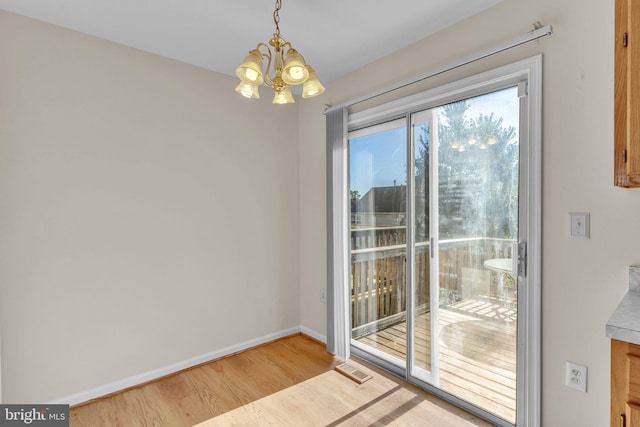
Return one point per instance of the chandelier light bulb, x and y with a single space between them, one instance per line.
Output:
296 73
251 75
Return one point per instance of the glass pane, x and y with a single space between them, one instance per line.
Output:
378 191
478 163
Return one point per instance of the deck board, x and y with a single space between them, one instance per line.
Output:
477 352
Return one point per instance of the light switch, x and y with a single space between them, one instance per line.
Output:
579 225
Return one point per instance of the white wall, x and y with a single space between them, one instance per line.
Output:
583 280
149 214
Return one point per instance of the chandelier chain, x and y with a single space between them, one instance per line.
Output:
276 17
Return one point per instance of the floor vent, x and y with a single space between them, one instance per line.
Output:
354 373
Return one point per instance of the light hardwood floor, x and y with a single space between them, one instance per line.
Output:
245 380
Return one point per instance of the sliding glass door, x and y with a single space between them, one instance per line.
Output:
378 200
434 228
470 150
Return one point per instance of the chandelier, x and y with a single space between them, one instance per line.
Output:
289 69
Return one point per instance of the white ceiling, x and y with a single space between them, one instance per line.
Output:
335 36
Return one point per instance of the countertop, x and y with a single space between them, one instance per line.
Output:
624 323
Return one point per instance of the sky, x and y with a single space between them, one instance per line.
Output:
379 159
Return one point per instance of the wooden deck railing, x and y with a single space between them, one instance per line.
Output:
371 237
378 273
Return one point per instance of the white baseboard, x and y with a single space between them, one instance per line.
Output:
313 334
136 380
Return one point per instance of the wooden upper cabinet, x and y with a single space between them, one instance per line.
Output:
627 94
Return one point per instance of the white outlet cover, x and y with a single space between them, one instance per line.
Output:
576 376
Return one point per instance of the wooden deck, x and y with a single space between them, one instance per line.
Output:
477 352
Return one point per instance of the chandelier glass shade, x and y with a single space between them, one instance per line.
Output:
289 69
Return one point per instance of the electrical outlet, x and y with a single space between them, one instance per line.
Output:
576 376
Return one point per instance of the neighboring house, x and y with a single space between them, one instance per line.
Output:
381 207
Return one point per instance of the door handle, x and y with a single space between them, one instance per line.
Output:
515 256
518 260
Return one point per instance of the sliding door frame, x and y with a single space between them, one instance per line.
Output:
527 74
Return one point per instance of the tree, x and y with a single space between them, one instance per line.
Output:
355 196
477 173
